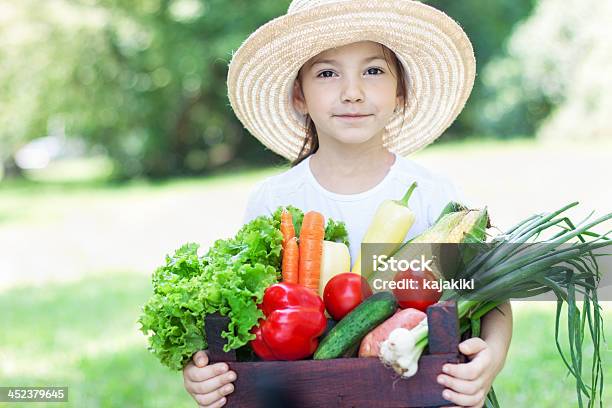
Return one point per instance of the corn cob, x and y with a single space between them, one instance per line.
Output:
455 227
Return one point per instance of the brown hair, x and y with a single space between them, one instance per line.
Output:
311 141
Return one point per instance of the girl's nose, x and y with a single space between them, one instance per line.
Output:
352 91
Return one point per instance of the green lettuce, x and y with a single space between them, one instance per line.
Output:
336 231
230 279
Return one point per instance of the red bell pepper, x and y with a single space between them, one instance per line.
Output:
295 318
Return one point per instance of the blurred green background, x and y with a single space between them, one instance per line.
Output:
117 145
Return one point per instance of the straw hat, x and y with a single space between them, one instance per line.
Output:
436 54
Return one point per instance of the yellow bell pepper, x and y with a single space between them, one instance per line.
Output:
390 224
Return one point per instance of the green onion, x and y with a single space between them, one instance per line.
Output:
506 270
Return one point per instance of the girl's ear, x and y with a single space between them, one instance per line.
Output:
299 103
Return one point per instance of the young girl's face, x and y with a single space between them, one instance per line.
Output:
349 92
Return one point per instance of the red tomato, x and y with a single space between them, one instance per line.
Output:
344 292
416 297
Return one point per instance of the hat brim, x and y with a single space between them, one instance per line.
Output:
437 56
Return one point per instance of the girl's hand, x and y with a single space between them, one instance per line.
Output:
468 384
208 385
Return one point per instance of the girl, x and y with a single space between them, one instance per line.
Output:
344 89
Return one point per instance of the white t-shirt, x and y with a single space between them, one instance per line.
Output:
298 187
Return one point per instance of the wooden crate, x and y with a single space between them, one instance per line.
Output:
342 382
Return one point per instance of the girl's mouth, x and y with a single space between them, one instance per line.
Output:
352 117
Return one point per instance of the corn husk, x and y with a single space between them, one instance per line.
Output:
452 227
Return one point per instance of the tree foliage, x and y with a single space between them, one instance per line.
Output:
555 73
145 79
488 24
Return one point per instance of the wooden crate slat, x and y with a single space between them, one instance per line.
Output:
345 382
443 324
350 382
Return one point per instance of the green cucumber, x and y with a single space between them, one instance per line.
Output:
356 325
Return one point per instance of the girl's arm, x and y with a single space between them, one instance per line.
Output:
497 333
468 384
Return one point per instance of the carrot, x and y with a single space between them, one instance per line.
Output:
286 227
311 249
291 256
290 250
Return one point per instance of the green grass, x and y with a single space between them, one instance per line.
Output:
35 201
534 374
84 335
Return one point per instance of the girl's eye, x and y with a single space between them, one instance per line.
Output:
375 71
330 74
325 74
